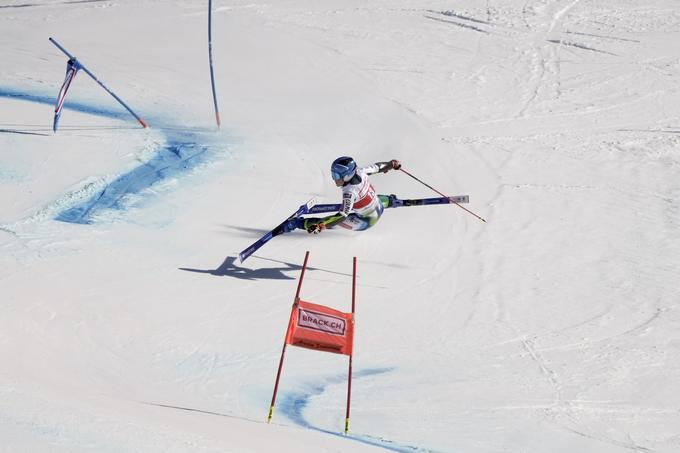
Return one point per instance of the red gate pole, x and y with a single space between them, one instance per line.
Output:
349 377
283 351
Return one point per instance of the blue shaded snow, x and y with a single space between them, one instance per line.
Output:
181 152
293 405
170 160
69 104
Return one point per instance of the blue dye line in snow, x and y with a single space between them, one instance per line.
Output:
169 161
293 404
180 154
70 104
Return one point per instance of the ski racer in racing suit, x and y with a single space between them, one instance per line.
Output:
361 207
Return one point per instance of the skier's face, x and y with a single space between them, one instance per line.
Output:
339 182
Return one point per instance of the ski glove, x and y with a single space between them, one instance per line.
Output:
384 167
316 228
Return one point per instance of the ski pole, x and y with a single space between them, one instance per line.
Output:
450 199
80 66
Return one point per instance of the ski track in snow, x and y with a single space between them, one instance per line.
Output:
579 46
458 24
293 404
181 152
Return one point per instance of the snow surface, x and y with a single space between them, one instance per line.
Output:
128 325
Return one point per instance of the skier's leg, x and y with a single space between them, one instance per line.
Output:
308 222
353 221
291 224
356 222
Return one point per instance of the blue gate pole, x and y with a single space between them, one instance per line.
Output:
210 58
80 65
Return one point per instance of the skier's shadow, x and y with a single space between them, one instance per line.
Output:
229 268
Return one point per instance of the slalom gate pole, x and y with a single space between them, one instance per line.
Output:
80 65
210 58
450 199
349 376
283 351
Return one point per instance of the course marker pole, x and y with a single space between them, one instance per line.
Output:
283 351
349 378
210 58
81 66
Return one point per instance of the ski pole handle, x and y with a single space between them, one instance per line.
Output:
450 199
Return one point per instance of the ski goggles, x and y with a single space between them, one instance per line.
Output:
344 174
335 175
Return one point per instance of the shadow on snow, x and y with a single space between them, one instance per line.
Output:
229 268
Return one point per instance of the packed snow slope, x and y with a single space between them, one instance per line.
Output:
128 325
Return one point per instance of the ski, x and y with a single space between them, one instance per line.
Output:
304 209
311 208
397 203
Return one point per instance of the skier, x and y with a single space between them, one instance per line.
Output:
361 207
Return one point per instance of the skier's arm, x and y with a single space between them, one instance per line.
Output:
348 199
383 167
331 220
